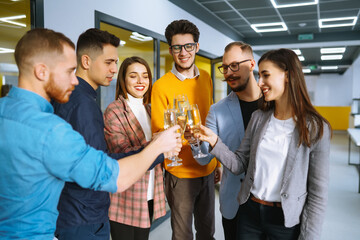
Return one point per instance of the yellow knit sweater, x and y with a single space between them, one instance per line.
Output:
199 90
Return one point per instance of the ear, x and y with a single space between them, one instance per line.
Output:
286 76
197 47
170 52
85 62
252 65
41 71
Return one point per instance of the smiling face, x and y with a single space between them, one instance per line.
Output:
184 60
62 79
238 80
272 81
103 67
137 80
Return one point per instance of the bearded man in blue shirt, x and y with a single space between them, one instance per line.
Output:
39 150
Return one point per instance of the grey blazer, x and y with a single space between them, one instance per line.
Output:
304 186
225 119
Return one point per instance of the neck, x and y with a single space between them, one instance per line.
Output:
189 73
283 110
252 91
84 75
33 85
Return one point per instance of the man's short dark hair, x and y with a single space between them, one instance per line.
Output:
39 42
92 41
244 47
181 27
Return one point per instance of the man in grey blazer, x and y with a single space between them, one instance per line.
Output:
228 118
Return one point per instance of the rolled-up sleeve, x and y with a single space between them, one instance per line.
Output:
68 157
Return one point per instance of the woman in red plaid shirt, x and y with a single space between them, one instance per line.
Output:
127 128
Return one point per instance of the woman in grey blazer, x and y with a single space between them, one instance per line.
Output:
285 154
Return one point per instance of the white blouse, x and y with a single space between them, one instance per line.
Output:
139 110
271 159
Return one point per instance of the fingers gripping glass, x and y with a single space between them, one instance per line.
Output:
235 66
188 47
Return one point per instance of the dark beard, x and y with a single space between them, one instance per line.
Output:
239 88
181 68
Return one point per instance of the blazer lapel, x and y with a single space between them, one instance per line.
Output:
234 108
134 124
291 156
262 126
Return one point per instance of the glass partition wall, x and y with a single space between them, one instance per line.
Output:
15 21
137 41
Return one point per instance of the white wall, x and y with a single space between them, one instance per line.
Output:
356 78
331 89
74 17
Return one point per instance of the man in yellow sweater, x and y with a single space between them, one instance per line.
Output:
189 187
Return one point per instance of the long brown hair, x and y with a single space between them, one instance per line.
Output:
309 122
120 84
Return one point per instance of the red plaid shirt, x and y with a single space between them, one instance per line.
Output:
123 133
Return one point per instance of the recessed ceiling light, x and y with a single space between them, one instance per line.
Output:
6 50
329 67
342 22
264 26
331 57
8 20
293 4
302 24
140 37
301 58
306 70
332 50
297 51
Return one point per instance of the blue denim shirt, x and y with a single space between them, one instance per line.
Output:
38 152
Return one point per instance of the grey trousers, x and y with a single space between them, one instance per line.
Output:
187 197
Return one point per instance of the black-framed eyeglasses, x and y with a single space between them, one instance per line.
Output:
188 47
235 66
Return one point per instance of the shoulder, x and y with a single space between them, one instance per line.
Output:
203 73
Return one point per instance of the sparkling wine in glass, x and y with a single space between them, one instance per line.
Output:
195 126
170 116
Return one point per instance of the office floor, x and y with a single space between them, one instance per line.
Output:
342 219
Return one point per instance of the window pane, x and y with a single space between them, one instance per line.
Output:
14 23
132 44
166 60
220 87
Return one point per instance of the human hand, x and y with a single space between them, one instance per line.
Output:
217 175
169 141
207 135
188 135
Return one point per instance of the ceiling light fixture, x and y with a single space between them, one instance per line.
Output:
6 50
344 22
332 50
301 58
329 67
282 27
293 4
331 57
140 37
306 70
8 20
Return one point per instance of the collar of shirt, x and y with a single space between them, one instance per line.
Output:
85 86
182 77
32 98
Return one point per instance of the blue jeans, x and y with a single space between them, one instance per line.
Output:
97 231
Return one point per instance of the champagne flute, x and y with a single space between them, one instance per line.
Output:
196 123
169 121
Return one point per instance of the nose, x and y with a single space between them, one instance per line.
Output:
183 51
74 80
260 82
139 79
114 67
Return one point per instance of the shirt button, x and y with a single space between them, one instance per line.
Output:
284 195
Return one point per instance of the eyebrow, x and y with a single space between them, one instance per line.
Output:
263 71
138 72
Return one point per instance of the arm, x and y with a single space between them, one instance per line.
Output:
237 162
313 214
66 156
